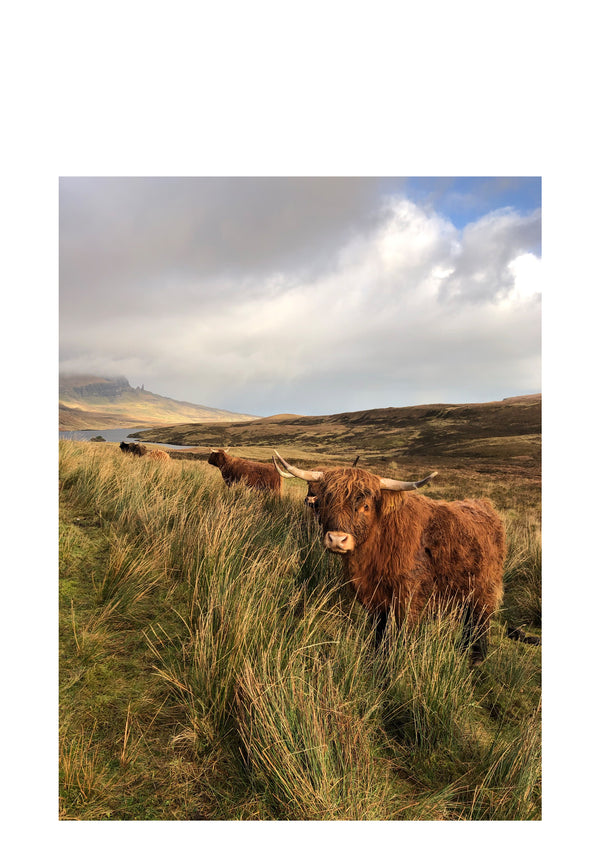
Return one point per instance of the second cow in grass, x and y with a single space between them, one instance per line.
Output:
254 474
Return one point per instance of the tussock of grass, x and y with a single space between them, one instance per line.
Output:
523 573
84 777
307 744
213 666
430 690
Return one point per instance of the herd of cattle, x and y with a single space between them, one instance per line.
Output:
402 552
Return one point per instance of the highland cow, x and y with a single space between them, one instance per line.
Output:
405 553
158 455
136 449
251 473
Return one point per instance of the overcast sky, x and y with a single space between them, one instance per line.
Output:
305 295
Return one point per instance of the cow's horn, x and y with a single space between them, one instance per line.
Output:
281 472
214 450
395 485
307 475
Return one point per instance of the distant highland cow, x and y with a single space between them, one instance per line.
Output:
158 455
251 473
136 449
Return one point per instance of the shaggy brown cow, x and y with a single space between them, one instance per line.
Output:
404 554
133 449
158 455
252 473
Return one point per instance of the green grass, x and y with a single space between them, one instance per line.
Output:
213 665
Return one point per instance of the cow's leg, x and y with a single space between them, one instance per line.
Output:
479 647
380 623
475 634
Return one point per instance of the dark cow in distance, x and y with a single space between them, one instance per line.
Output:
310 497
136 449
404 552
252 473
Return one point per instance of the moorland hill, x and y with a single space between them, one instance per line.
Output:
507 431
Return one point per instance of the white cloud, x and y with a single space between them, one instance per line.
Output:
408 310
482 259
527 273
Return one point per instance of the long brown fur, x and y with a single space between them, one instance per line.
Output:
158 455
412 552
253 473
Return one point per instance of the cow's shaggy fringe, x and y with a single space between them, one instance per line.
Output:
214 666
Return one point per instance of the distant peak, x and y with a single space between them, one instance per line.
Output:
79 380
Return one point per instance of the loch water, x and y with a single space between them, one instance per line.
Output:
113 435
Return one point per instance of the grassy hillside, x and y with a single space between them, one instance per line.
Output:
77 419
212 665
506 429
96 403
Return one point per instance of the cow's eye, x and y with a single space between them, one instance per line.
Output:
365 507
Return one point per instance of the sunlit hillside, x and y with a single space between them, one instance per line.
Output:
96 403
460 441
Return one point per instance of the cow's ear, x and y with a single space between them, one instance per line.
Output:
390 501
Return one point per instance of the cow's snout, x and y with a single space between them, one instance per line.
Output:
341 543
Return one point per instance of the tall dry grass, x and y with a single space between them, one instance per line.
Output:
211 654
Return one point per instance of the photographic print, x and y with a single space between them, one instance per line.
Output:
300 498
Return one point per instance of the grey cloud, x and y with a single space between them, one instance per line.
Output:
301 295
169 240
